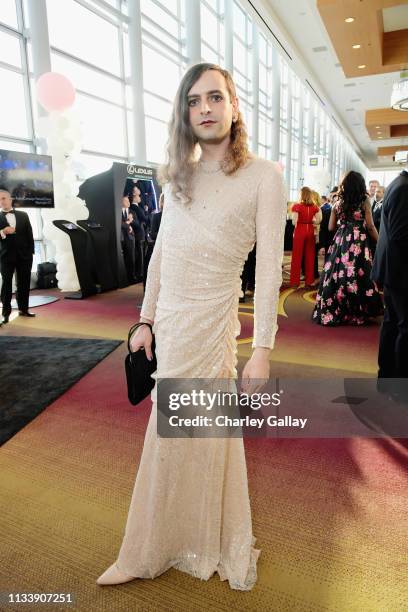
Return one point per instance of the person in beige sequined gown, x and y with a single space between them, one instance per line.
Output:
190 507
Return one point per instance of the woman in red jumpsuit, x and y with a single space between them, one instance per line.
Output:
305 216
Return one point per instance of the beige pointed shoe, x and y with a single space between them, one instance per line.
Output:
113 576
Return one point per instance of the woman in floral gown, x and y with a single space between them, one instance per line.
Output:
346 293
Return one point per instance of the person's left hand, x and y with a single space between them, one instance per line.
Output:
256 371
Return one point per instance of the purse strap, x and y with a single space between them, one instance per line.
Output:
133 329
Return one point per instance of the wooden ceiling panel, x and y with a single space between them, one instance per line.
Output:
395 48
379 52
390 151
398 131
383 123
386 154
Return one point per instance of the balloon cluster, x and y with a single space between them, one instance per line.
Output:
61 130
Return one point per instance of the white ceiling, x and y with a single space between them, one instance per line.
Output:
300 23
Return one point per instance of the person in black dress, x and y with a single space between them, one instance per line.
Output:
346 293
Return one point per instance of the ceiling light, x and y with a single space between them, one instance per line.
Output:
356 46
349 20
377 127
399 95
362 66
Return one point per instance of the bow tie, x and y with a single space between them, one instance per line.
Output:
6 212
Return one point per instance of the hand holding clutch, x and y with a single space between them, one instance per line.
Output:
140 362
142 339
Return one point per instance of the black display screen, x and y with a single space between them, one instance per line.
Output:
28 177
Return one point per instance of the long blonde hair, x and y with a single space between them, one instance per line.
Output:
316 198
181 145
306 196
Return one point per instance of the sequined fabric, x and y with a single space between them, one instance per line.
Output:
190 506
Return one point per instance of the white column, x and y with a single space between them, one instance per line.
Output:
310 129
330 163
40 49
317 126
40 44
136 81
255 88
301 122
289 134
193 31
276 92
229 35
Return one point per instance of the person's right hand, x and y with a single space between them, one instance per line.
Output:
142 339
9 230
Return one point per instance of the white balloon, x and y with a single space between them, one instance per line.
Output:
63 131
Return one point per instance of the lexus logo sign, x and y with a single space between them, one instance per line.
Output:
133 169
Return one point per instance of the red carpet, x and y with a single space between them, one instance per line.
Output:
329 515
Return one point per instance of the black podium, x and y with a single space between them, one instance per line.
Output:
102 268
103 195
81 249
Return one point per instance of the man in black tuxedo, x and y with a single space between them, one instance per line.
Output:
325 236
376 211
16 255
390 271
139 225
376 207
128 240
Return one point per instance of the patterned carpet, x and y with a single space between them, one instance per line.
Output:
329 515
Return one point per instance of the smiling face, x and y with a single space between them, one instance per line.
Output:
5 200
211 109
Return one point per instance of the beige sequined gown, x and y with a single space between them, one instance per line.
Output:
190 506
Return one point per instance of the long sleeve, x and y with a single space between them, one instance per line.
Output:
398 217
270 231
148 310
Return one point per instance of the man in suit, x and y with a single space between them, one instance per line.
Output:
16 255
325 236
390 271
128 240
372 186
376 208
139 225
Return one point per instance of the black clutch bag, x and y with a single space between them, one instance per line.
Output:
139 370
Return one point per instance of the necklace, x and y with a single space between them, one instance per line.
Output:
210 167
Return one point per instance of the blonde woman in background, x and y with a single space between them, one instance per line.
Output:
305 215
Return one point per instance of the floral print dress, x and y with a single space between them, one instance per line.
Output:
346 293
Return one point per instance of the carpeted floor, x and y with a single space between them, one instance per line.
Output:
329 515
35 371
